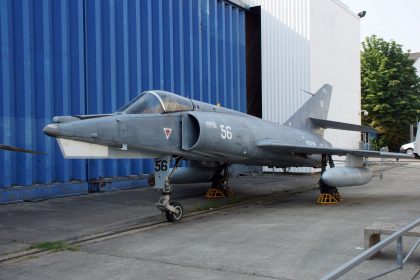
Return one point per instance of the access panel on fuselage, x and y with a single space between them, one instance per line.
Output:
160 132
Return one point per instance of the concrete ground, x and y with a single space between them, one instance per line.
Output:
282 236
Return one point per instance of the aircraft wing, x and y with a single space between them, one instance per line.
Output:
279 147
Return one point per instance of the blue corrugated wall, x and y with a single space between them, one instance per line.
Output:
64 57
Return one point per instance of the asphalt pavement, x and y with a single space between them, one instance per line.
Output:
279 232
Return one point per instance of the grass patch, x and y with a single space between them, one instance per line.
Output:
54 246
234 199
218 203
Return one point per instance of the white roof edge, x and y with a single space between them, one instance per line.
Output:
239 3
346 8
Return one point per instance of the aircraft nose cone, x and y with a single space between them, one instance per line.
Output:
52 130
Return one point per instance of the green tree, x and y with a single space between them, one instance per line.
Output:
390 90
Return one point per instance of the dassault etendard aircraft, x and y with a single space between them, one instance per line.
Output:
164 126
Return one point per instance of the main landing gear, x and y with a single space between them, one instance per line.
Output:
329 195
173 210
219 183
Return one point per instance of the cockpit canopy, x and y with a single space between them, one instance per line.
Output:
157 102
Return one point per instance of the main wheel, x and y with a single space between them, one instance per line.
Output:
409 151
172 216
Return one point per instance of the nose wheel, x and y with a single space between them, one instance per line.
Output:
174 217
173 210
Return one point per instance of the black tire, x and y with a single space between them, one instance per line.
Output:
409 151
173 217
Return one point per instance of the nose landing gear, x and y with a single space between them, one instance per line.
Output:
173 210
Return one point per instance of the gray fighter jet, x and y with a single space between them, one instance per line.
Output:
167 127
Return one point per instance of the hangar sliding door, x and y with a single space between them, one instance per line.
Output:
193 48
64 57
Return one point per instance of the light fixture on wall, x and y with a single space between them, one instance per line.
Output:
364 113
361 14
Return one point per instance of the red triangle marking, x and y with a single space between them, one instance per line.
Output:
167 132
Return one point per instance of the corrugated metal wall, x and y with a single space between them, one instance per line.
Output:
42 75
92 56
285 59
285 44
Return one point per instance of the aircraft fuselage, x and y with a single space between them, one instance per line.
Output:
195 135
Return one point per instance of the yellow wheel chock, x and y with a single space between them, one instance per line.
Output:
218 193
329 199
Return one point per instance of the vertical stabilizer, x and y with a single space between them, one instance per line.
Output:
316 107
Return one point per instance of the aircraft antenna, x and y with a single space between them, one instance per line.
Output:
307 92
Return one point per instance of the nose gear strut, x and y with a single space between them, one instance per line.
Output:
173 210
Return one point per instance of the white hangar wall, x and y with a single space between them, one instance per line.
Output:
305 44
335 58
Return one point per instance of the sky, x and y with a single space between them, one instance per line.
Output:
390 19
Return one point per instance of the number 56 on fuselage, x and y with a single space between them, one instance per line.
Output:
162 125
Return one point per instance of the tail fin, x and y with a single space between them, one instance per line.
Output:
316 107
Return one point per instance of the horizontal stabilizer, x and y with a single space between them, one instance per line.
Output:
342 126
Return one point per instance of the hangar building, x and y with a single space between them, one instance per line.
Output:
62 57
305 44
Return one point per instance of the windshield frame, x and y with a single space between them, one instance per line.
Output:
162 97
158 98
145 96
